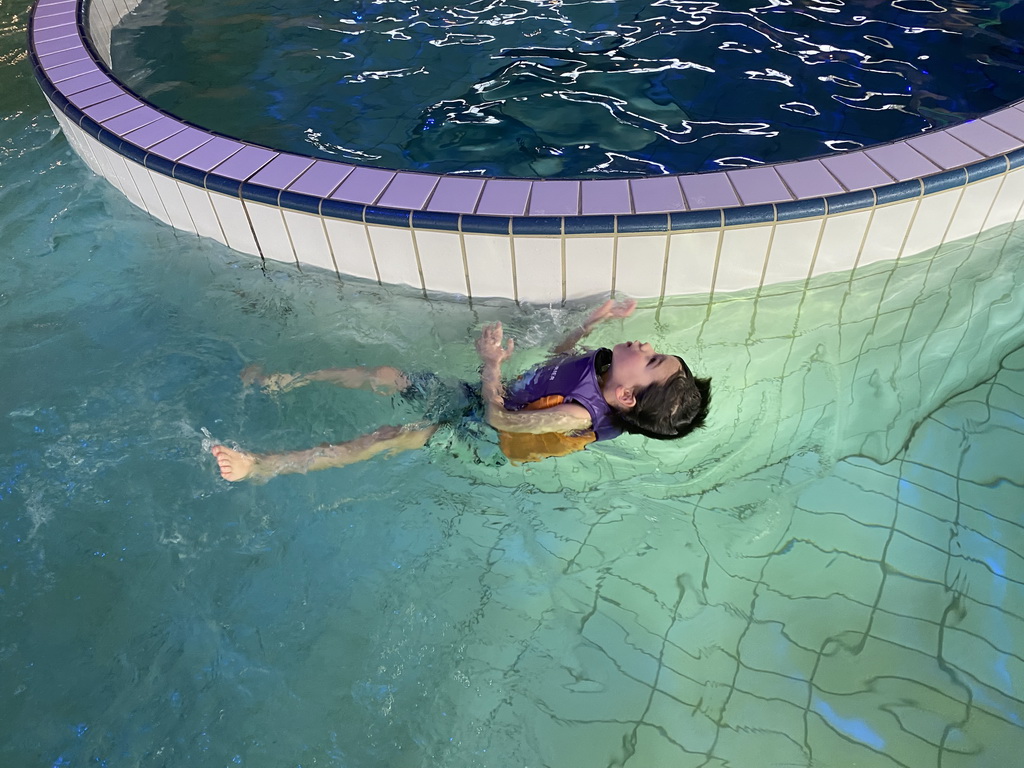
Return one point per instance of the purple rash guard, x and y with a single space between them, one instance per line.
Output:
575 379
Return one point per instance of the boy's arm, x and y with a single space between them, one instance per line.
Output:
568 417
606 311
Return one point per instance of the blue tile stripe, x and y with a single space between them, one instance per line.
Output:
473 223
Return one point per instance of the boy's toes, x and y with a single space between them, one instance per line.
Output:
233 465
280 382
252 374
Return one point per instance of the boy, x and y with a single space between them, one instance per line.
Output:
550 411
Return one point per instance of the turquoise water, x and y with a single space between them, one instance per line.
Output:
829 575
573 89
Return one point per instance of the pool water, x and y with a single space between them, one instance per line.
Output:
829 575
572 89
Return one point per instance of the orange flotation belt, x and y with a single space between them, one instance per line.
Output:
521 447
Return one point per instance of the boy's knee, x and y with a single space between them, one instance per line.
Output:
387 376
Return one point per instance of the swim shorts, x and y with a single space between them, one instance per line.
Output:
444 401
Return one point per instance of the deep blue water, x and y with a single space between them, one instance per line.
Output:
573 89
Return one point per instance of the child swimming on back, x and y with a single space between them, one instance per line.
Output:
552 410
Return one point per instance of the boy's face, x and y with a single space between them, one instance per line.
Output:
636 365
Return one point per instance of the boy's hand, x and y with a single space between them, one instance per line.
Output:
489 345
612 309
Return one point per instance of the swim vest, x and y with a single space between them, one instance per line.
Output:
572 380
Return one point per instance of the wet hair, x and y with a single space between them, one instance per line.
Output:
668 410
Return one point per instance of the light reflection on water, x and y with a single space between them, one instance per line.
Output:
580 89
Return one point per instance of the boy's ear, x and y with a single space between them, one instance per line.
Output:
625 396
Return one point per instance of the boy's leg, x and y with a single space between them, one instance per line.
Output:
383 380
239 465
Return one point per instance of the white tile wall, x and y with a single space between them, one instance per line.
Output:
1009 199
928 229
104 15
489 259
974 208
170 196
1006 206
234 223
125 181
309 238
887 231
200 209
538 265
394 250
441 261
150 197
350 245
792 251
100 25
110 163
268 224
742 259
640 264
691 262
119 9
77 140
588 266
841 242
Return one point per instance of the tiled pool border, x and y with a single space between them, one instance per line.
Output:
529 240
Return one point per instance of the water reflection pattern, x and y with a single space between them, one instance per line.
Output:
581 89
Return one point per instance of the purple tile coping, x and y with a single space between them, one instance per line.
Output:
83 83
114 107
244 163
129 121
60 6
95 95
604 196
809 178
504 197
902 162
57 9
148 135
456 194
985 138
322 178
555 198
180 144
1009 121
55 46
363 185
856 171
56 19
63 57
759 185
74 69
708 191
658 194
281 171
212 154
944 150
409 191
55 33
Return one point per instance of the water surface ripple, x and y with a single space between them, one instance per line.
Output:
573 89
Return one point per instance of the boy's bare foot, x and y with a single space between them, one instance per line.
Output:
253 375
234 465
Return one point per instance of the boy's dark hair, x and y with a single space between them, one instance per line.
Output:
669 410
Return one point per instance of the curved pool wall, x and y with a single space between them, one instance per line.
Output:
535 241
